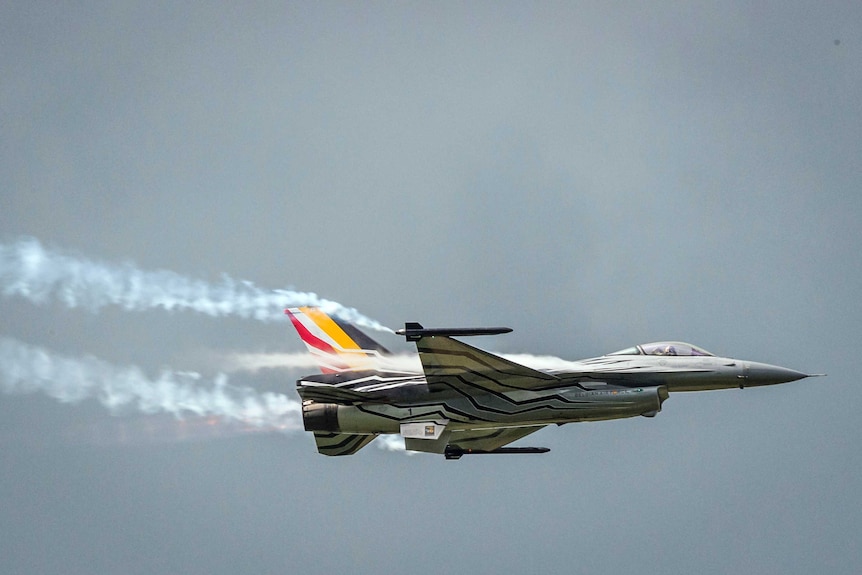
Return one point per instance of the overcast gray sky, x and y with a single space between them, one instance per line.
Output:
592 174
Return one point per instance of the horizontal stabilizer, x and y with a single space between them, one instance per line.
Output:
335 444
414 331
330 394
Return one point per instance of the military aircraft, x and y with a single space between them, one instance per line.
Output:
467 401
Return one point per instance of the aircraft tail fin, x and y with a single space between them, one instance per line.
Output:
336 345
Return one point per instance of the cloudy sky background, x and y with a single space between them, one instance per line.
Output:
591 175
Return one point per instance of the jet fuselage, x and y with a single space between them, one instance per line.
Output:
465 400
608 387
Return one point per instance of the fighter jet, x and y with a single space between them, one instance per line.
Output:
467 401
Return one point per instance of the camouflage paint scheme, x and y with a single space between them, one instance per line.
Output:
467 400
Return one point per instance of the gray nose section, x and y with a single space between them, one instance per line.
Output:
764 374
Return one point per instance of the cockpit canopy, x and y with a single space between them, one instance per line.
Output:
664 348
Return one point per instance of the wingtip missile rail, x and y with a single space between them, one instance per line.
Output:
456 452
414 331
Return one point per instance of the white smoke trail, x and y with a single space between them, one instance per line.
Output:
544 362
29 369
30 271
253 362
392 443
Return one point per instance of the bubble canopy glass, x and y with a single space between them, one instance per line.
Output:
664 348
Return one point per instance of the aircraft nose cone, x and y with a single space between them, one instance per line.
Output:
765 374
